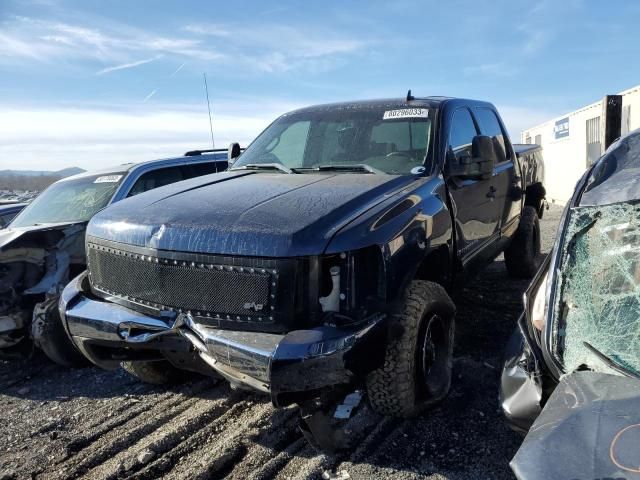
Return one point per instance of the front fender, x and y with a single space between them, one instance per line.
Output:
407 228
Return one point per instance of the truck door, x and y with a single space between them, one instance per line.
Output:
507 181
477 214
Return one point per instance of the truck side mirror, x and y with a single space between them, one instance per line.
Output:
233 152
478 166
483 151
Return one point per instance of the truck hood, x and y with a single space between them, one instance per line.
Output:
589 428
246 213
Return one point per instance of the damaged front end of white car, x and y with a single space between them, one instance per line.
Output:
35 265
582 316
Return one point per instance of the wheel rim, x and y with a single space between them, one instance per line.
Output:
433 353
428 351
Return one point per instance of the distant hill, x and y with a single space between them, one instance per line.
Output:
66 172
35 180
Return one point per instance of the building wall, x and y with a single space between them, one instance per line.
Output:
567 152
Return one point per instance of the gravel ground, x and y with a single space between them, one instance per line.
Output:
88 423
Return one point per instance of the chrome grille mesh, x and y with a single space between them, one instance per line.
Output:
206 289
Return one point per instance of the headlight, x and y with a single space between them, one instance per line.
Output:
539 309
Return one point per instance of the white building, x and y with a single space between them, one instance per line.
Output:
572 142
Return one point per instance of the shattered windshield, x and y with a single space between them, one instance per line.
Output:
390 140
70 201
600 287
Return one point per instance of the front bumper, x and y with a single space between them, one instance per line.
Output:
287 367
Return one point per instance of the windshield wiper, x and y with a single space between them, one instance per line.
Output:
265 166
611 363
358 167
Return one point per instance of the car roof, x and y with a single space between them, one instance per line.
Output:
426 102
521 148
9 207
615 178
130 167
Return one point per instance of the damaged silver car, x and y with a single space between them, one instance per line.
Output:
580 331
44 247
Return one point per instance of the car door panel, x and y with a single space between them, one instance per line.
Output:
473 200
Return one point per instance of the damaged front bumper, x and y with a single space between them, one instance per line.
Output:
289 367
521 389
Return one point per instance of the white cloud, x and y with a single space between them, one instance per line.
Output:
125 66
270 48
33 39
275 48
50 139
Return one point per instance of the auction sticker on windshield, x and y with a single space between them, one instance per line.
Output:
108 179
406 113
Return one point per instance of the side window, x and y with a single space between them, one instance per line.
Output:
155 179
461 135
291 145
204 168
490 126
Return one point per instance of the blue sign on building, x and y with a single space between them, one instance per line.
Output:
561 128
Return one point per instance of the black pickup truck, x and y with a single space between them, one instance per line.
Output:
320 262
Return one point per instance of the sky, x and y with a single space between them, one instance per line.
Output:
93 83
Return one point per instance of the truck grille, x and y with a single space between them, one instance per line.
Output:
214 289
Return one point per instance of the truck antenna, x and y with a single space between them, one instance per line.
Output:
206 89
409 96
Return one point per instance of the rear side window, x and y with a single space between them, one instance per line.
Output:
461 135
205 168
155 179
490 126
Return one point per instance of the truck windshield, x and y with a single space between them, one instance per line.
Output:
391 140
75 200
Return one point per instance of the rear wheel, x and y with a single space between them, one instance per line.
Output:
521 257
159 372
418 361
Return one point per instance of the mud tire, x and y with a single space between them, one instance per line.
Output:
521 257
401 388
159 372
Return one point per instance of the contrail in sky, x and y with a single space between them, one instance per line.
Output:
127 65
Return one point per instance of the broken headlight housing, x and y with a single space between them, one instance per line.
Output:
540 304
536 300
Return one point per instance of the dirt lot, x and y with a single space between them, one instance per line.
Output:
59 423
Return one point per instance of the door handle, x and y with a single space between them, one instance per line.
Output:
492 192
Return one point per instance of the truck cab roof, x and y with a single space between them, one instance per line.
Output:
425 102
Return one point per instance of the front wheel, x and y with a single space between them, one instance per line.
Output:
50 335
419 355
